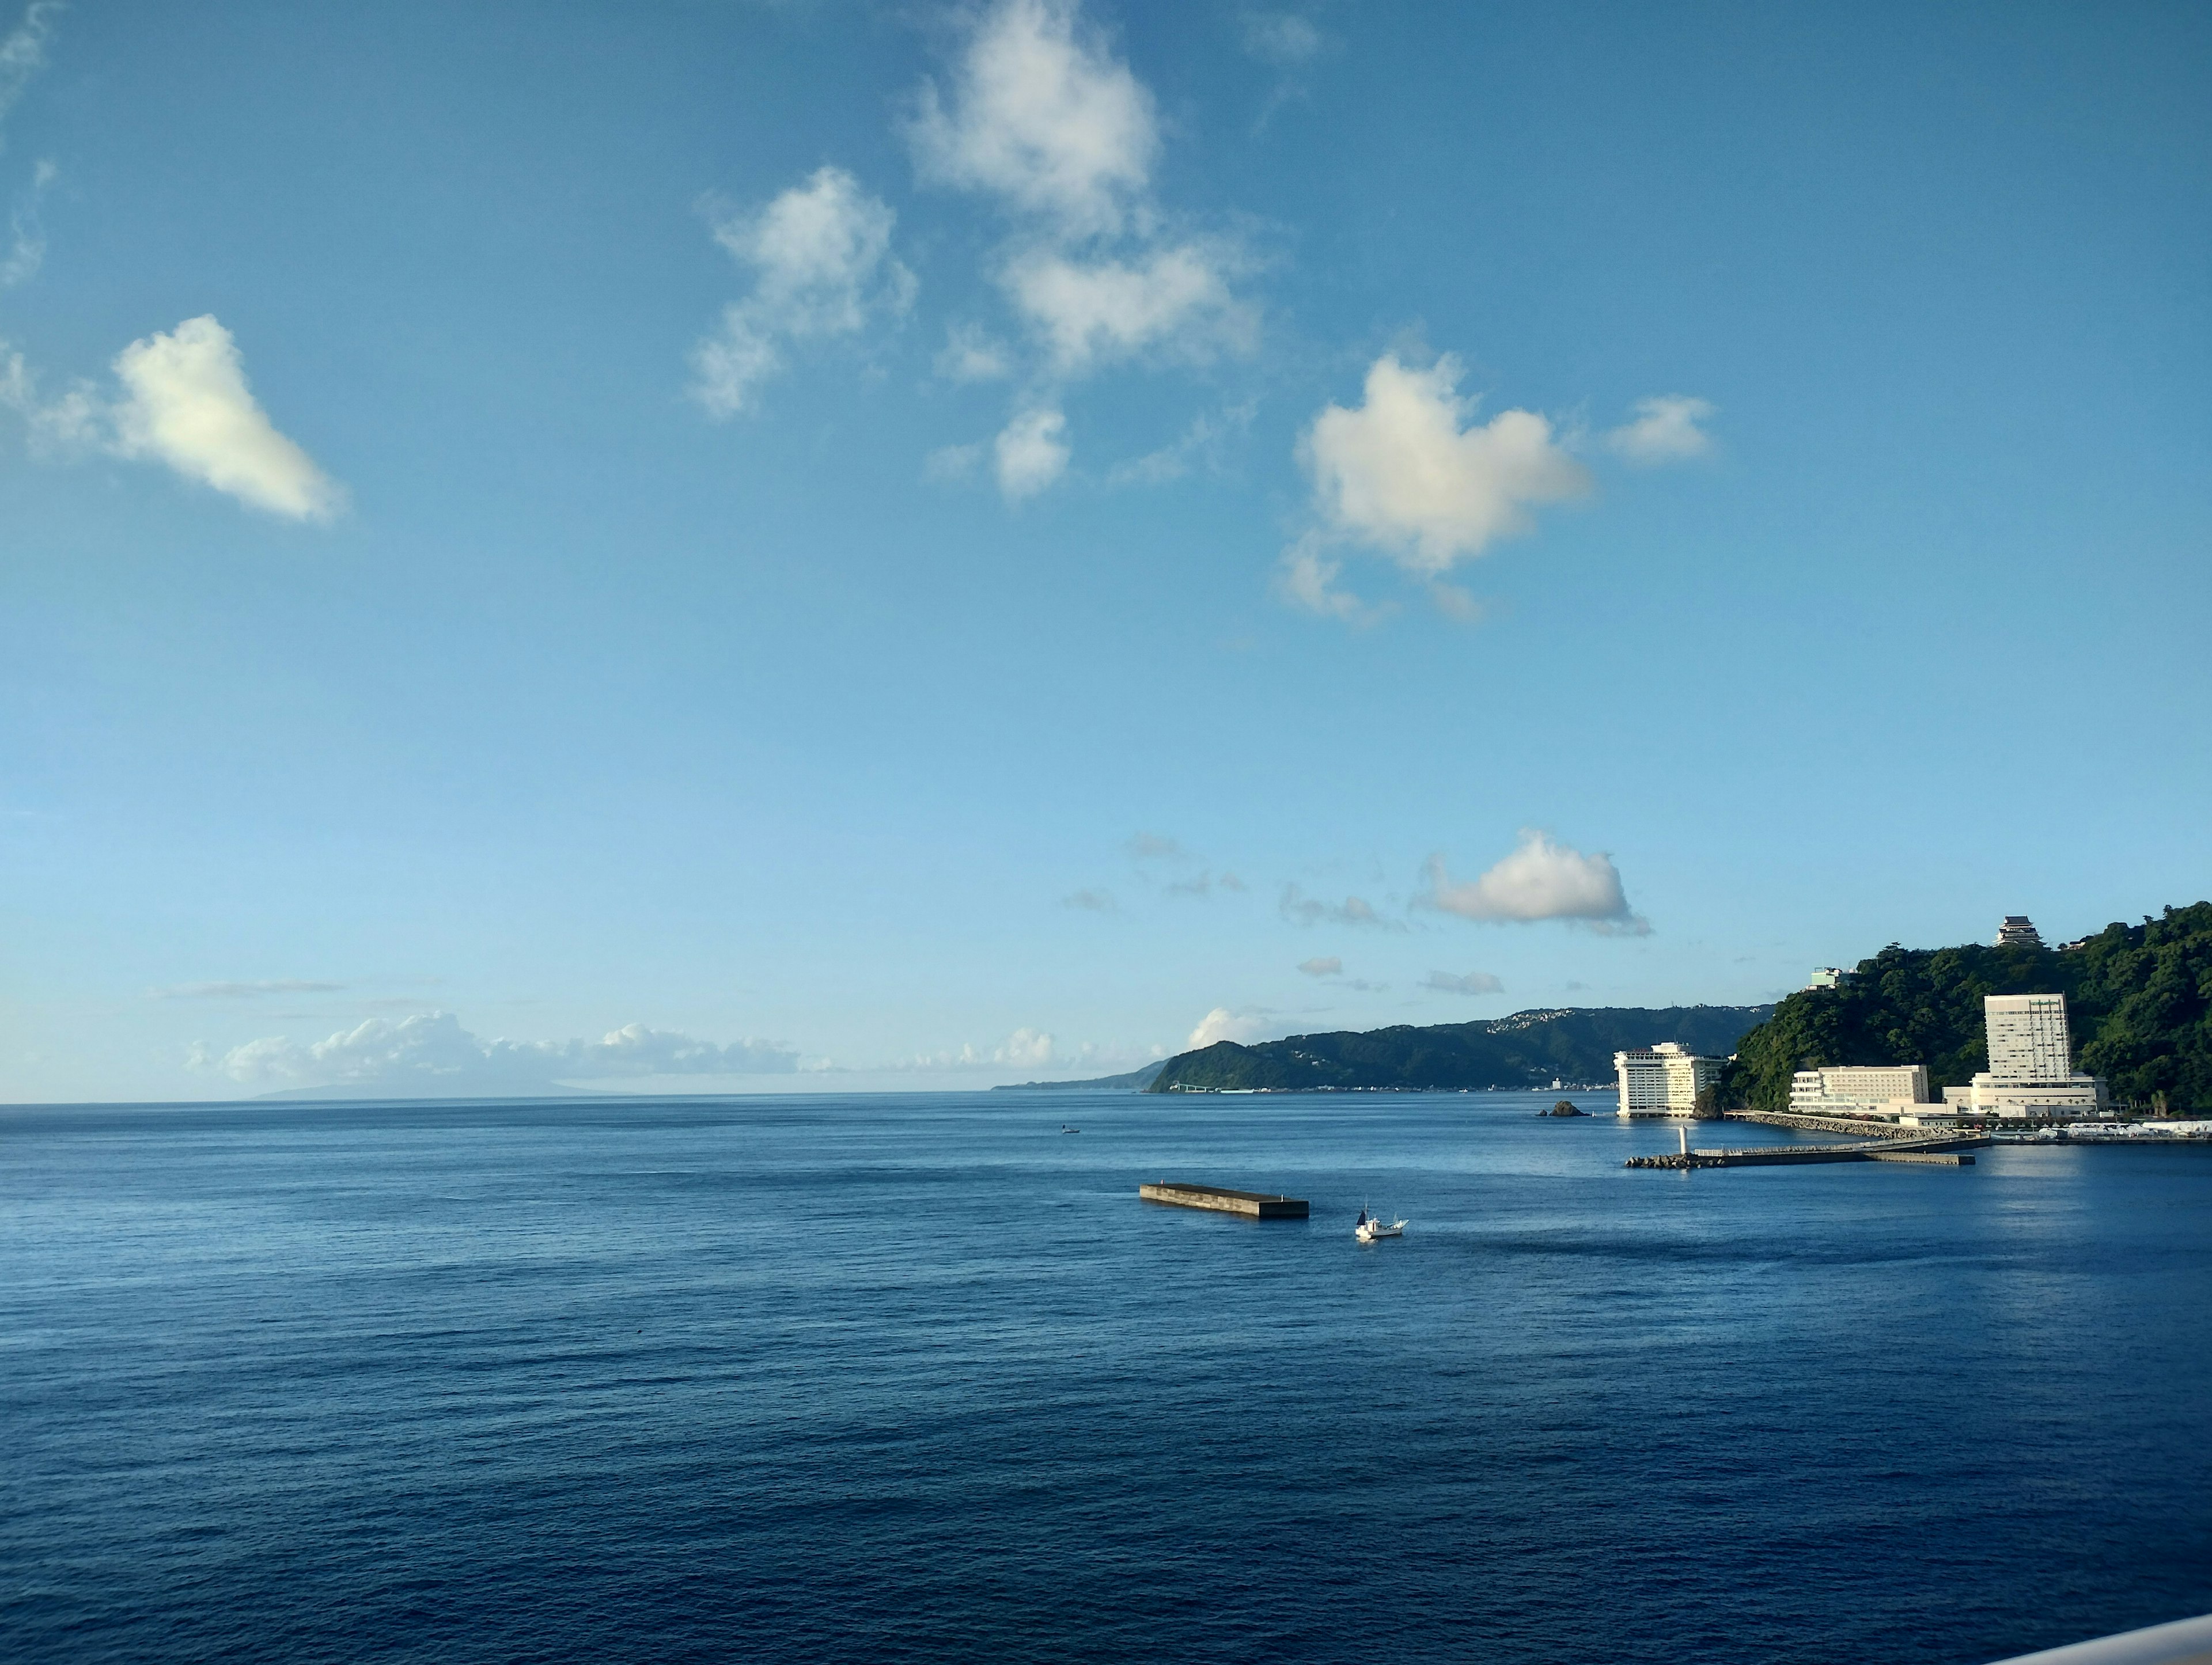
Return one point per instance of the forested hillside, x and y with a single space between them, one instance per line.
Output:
2137 996
1527 1049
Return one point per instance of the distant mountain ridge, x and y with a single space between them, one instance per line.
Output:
1134 1081
1527 1049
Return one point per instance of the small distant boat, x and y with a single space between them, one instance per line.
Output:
1064 1128
1374 1227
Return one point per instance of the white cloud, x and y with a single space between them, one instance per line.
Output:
970 354
187 405
242 991
1471 982
1042 115
432 1052
820 255
1664 430
1223 1024
26 241
23 53
1322 966
1410 474
1300 908
1090 901
1030 454
1541 879
953 462
1093 312
1280 37
1202 444
1155 847
1030 1049
1307 578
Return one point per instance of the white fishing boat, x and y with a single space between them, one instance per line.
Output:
1374 1226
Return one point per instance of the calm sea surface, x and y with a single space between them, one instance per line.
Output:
907 1378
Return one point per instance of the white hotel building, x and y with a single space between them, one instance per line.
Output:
1889 1092
2031 1074
1663 1080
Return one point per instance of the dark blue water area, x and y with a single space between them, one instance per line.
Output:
919 1377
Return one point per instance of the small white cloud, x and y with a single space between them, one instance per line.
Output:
1041 115
1409 473
1327 965
432 1052
1306 578
1155 847
1090 901
1541 879
1200 445
1471 982
953 463
242 991
187 404
1093 312
1029 1048
1300 908
23 53
971 354
1030 454
1223 1024
1664 430
27 240
820 255
1281 38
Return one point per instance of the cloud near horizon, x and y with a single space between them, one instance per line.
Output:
1300 908
432 1050
1223 1024
1541 879
1470 983
243 991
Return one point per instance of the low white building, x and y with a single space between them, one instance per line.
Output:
2031 1076
1663 1079
1885 1092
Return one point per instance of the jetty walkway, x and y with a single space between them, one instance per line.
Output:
1947 1151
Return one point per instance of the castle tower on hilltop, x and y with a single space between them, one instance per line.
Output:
2019 931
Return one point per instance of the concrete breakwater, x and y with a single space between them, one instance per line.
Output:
1253 1205
1831 1124
1951 1152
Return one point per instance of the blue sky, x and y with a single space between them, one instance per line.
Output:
725 547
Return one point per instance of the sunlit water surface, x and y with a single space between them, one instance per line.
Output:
919 1377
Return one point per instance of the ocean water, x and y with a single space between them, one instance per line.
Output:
919 1378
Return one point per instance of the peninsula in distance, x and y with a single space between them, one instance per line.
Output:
2141 996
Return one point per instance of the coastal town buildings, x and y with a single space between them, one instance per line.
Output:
2031 1075
1663 1079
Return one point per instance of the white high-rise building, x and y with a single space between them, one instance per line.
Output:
2028 1037
1664 1079
2031 1074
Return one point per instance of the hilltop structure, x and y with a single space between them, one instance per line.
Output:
2018 931
1663 1079
2031 1075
